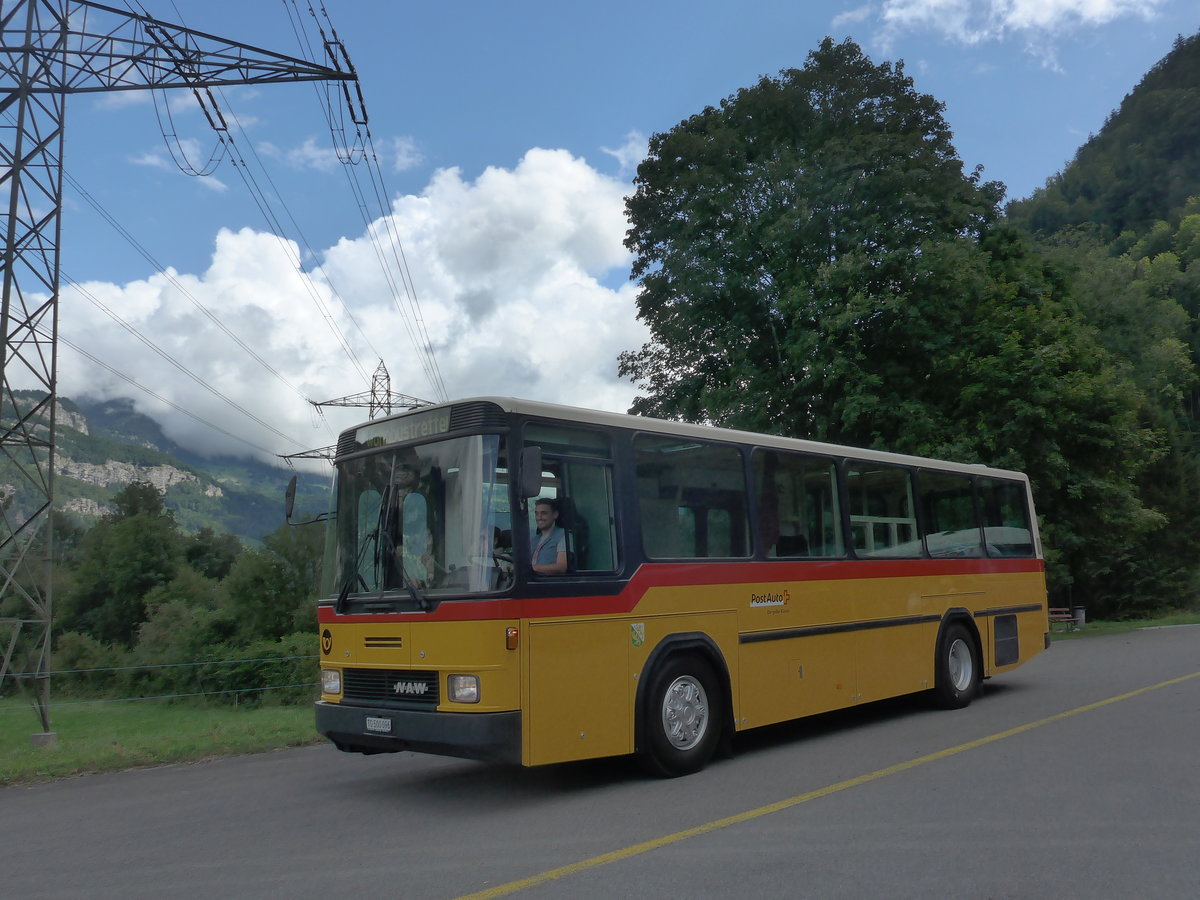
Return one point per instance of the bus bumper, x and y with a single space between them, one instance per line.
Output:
493 737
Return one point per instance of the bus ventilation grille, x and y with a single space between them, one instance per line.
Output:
390 687
347 443
477 416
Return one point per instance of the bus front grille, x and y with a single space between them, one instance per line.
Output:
390 687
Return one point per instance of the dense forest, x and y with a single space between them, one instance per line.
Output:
1120 225
139 602
814 260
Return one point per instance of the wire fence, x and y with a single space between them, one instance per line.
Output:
244 678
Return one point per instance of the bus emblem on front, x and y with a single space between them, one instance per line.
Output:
410 687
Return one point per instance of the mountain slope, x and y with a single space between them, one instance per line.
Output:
103 446
1143 165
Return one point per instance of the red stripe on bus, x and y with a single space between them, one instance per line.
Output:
690 574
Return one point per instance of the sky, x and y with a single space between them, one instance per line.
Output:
507 136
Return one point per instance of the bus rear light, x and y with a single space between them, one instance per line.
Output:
464 688
331 681
510 637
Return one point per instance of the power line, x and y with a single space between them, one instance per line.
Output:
277 230
99 304
413 319
336 50
229 148
177 284
303 240
166 273
175 406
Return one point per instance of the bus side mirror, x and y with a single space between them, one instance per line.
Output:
289 506
289 500
531 472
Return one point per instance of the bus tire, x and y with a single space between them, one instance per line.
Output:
957 668
682 716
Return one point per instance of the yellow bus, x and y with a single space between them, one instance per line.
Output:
695 582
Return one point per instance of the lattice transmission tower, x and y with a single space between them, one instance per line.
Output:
48 50
379 401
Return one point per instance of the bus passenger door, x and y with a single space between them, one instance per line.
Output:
580 694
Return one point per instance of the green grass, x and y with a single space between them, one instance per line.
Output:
1094 629
105 737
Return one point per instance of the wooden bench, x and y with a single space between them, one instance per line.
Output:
1062 615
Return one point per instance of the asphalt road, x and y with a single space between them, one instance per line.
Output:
1076 776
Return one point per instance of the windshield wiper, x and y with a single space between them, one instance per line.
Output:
356 576
411 586
339 605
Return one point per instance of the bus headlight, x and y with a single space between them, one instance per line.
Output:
331 681
464 688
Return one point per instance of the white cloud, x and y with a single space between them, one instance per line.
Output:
115 100
508 270
310 156
631 153
1035 22
186 155
399 154
405 154
154 159
213 183
853 16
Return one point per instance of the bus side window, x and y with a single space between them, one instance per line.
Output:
1006 527
590 522
578 473
662 522
798 510
882 516
692 498
948 506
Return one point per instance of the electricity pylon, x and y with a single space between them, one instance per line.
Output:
379 401
49 49
381 398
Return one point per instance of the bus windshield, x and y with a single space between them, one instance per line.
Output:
424 521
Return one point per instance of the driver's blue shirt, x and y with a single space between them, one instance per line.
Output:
547 547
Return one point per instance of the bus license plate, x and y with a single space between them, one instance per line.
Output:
379 725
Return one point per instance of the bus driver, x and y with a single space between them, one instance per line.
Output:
549 540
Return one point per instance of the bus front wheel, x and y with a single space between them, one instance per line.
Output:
957 668
681 718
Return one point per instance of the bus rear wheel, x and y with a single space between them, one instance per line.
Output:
957 669
681 718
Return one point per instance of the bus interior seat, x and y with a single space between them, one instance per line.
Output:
791 545
576 528
660 522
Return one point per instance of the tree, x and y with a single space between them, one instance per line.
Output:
212 554
301 549
778 235
121 559
1141 308
1141 167
269 591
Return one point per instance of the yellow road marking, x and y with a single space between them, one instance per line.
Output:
503 890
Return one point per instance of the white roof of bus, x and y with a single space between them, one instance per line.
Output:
710 432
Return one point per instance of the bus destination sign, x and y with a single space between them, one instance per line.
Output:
405 428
